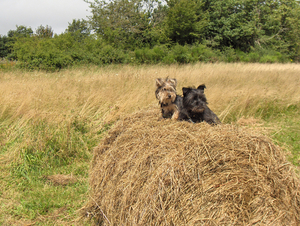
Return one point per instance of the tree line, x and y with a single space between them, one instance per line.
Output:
173 31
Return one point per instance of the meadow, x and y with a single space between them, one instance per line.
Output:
50 123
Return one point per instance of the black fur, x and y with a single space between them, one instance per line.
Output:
195 104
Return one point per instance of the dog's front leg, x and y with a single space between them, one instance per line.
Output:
175 115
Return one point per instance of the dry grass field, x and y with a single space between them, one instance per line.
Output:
50 123
112 91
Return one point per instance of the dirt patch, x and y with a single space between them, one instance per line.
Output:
61 179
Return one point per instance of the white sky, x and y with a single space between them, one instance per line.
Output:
33 13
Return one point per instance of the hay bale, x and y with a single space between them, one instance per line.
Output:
150 172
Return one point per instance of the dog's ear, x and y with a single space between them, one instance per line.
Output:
173 81
185 91
159 82
202 87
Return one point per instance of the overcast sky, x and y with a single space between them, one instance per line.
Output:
33 13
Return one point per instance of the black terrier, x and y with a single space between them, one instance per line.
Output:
195 103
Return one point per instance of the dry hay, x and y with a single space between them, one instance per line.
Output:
151 172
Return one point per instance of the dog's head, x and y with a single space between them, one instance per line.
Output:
166 90
194 100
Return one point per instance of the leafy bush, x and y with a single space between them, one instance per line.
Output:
67 49
154 55
109 54
36 53
201 52
182 54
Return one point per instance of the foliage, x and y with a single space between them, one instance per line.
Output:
251 23
126 23
44 31
3 46
70 49
186 21
79 29
174 31
21 31
79 25
154 55
6 42
35 53
64 50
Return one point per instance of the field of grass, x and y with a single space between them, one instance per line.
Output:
50 122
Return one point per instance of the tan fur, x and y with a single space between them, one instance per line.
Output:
175 115
166 94
170 111
171 81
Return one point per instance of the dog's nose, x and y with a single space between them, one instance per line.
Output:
169 96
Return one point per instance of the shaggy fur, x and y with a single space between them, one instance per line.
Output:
170 102
195 103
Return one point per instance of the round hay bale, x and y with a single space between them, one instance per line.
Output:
151 172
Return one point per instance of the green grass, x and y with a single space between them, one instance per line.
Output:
31 151
40 197
287 133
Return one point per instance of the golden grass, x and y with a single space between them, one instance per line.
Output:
114 90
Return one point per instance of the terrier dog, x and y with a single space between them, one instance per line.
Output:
195 103
170 102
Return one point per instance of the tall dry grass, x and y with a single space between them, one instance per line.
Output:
106 93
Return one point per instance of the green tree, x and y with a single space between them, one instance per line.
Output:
126 23
186 21
232 23
21 31
3 46
242 24
44 31
292 35
80 26
79 29
280 21
13 36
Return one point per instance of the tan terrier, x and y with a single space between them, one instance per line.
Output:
170 102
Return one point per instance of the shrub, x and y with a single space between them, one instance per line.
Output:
182 54
154 55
